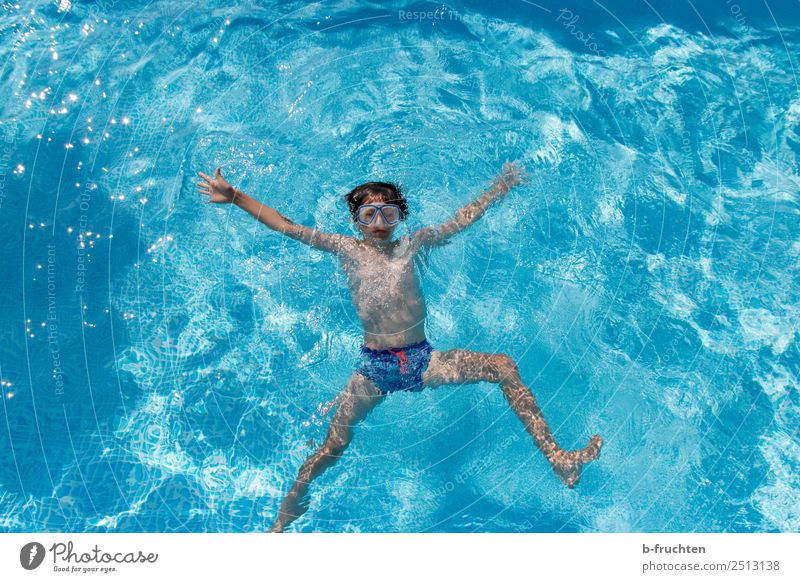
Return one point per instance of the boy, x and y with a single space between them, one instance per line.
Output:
387 297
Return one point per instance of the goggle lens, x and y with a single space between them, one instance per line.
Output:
391 214
368 212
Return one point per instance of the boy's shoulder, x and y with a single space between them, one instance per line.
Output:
345 244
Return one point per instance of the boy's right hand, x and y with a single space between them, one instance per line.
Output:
217 189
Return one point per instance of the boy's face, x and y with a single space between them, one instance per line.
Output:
378 230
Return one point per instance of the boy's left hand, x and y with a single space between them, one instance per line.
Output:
512 175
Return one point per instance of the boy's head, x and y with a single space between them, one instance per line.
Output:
372 223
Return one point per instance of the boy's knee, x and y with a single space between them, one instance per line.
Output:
334 447
504 365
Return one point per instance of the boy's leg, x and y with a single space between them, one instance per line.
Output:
466 367
355 402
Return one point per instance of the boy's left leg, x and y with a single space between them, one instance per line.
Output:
466 367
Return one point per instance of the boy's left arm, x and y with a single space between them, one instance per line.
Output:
511 176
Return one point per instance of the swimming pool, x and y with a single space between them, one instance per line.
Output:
165 364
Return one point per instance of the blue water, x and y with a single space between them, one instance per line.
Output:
165 364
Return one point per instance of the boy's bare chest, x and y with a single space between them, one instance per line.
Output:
369 269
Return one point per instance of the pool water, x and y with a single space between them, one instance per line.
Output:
165 364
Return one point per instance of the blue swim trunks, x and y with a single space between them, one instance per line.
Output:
396 369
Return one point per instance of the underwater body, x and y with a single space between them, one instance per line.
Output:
167 365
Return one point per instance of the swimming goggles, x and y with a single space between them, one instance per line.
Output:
367 213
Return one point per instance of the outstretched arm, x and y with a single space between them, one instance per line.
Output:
221 192
511 176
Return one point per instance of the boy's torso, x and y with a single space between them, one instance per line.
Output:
386 293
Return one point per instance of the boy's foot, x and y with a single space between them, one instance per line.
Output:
291 509
568 464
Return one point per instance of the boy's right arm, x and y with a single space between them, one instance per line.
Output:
221 192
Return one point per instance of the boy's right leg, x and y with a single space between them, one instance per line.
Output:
355 402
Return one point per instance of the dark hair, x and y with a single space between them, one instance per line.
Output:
388 192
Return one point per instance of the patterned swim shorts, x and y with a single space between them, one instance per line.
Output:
396 369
